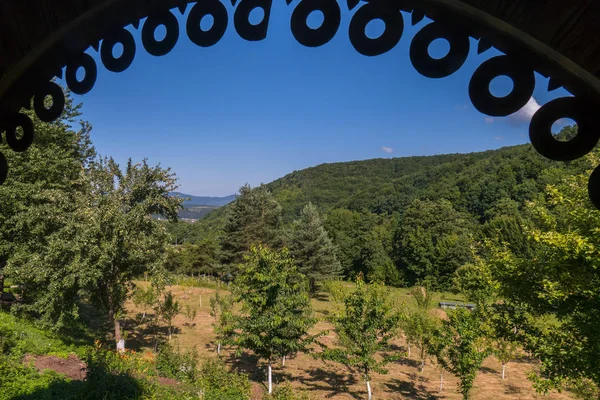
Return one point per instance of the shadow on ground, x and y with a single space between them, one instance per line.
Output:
411 390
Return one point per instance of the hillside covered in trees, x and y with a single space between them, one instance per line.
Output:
408 220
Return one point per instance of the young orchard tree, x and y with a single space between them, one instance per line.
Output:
457 347
168 309
118 238
365 328
145 298
312 249
221 309
419 326
505 351
190 313
276 311
474 281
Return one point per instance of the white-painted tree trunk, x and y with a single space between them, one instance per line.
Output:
369 390
283 362
441 380
408 344
422 365
270 378
503 369
219 348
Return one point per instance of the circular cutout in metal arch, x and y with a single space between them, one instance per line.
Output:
439 68
88 64
3 169
210 37
160 47
58 102
241 19
121 63
394 26
588 134
309 37
19 144
594 187
479 87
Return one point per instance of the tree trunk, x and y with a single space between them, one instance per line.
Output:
283 362
117 326
270 378
369 394
170 332
219 348
441 380
503 369
422 367
408 344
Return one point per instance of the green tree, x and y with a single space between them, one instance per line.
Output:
553 297
114 235
221 309
312 249
505 351
276 310
432 241
145 298
458 347
474 281
42 192
420 326
253 218
365 328
168 308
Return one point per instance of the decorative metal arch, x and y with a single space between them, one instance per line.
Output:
454 20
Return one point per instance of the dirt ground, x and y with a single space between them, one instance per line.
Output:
71 367
329 380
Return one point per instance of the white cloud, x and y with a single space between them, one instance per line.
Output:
388 150
489 120
498 137
525 114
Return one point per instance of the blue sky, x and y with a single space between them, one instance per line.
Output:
254 111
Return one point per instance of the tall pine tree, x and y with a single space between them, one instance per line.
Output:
312 249
254 218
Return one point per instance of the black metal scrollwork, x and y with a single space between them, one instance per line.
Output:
394 26
3 168
90 68
24 142
208 38
55 92
581 109
447 65
309 37
523 86
241 19
121 63
160 47
542 139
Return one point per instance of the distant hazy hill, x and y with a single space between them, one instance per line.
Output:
198 206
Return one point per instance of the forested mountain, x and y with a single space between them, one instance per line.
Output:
413 219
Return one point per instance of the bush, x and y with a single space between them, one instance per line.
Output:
285 392
219 383
176 365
